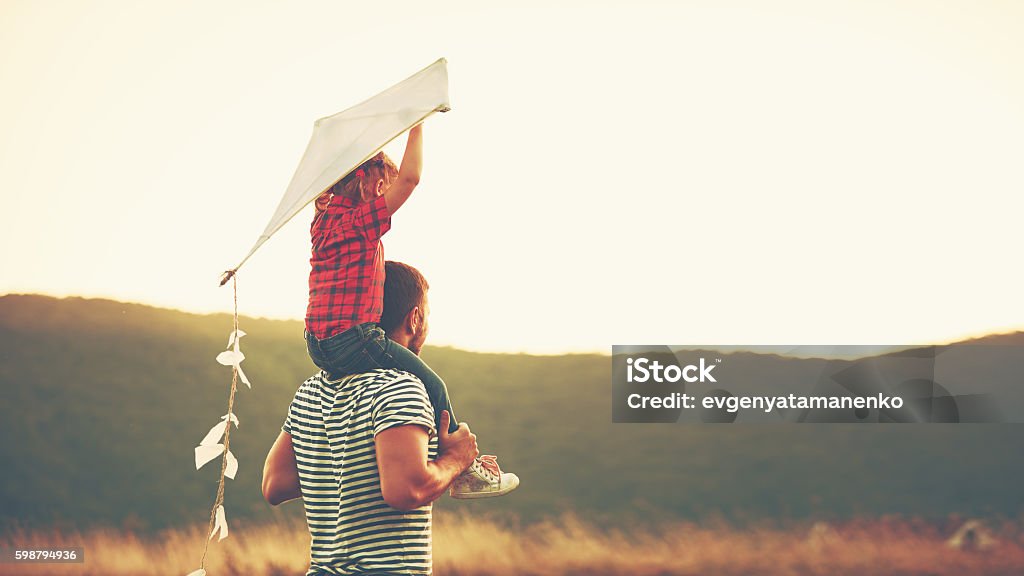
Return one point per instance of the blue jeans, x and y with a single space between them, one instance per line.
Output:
365 347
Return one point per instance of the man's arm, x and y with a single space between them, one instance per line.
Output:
280 472
407 479
409 173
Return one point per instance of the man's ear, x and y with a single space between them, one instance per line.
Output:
414 320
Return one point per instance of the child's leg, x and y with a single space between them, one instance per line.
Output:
344 354
341 354
390 354
400 357
483 479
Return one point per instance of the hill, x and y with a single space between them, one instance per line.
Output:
102 402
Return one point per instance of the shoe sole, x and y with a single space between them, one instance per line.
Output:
476 495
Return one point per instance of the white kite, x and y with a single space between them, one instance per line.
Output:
340 143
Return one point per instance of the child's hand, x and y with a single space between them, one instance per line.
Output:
322 201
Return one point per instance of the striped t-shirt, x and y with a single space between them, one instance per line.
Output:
332 425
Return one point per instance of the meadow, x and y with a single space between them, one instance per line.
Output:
471 546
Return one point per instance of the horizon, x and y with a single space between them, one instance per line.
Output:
795 351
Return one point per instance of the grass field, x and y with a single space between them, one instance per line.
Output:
464 546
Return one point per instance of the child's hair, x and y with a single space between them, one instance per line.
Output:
379 167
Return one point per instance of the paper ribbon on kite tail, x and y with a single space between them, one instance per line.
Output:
342 142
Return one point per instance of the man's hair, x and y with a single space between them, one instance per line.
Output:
404 288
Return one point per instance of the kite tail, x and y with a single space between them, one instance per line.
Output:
228 275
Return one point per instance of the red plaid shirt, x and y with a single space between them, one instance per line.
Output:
346 284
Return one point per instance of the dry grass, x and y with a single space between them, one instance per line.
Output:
471 547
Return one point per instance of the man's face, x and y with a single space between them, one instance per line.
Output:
416 344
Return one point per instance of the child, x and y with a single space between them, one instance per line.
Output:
346 287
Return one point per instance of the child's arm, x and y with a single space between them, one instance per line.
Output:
408 173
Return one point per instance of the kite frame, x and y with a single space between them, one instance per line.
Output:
228 274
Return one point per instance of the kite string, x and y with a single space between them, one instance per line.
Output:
227 437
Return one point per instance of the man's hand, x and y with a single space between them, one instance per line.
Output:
460 445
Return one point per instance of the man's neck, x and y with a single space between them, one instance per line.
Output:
401 337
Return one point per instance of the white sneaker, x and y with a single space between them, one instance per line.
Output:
483 479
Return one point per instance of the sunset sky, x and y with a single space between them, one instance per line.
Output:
610 173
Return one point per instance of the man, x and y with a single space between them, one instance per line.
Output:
364 455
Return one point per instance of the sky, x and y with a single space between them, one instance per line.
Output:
728 172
